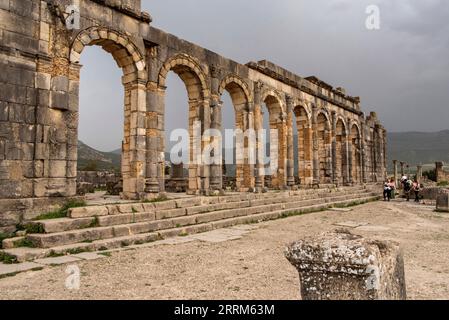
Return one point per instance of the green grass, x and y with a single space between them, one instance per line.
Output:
77 251
34 228
6 258
443 184
24 243
62 212
183 234
53 254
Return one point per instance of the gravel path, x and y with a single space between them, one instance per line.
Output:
252 267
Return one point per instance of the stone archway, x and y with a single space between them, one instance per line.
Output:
198 92
277 176
324 139
132 62
241 99
341 153
305 145
356 154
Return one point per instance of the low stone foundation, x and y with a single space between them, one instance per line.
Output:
443 203
343 266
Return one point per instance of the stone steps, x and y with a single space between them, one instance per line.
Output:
119 216
169 219
106 238
28 254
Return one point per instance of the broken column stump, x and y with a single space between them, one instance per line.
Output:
343 266
443 202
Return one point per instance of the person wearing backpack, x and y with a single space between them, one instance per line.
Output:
408 188
387 191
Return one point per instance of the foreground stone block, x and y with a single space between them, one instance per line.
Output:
88 212
343 266
443 202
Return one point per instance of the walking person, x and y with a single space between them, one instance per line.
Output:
416 189
387 191
392 185
408 188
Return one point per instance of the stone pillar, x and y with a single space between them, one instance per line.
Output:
216 170
316 160
343 266
250 145
419 173
290 149
402 168
216 179
363 160
205 116
334 148
395 166
439 171
350 159
258 126
155 108
134 181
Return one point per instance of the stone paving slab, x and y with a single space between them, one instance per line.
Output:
351 224
341 209
88 256
372 228
19 267
58 260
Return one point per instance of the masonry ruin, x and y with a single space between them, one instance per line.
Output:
39 102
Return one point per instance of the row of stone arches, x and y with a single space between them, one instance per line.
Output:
143 163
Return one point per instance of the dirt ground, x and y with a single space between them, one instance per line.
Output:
253 267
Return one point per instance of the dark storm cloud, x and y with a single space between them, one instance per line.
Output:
400 71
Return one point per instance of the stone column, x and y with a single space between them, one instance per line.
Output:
205 112
216 179
419 173
249 172
155 110
258 126
343 266
290 147
334 148
350 159
363 160
395 166
402 168
216 170
316 160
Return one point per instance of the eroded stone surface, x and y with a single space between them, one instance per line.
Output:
344 266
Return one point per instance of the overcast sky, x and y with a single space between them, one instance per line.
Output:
400 71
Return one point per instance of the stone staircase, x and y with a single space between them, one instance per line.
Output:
100 228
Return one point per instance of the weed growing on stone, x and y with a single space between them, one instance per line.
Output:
62 212
6 258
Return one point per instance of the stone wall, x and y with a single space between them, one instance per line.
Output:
441 174
39 102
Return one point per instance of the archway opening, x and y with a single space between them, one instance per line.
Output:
229 167
177 143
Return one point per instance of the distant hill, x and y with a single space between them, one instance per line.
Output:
418 147
91 159
412 147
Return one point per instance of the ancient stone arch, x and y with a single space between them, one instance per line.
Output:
129 58
39 107
341 157
278 148
241 99
324 140
355 153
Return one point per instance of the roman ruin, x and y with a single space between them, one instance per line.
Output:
40 49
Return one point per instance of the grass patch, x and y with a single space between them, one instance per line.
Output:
76 251
34 228
62 212
183 234
24 243
94 224
8 275
102 249
54 254
443 184
6 258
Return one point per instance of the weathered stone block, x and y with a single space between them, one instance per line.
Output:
88 212
443 202
59 100
343 266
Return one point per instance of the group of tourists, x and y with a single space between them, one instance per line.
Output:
408 186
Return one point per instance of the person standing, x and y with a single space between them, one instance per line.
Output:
408 188
416 189
392 185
